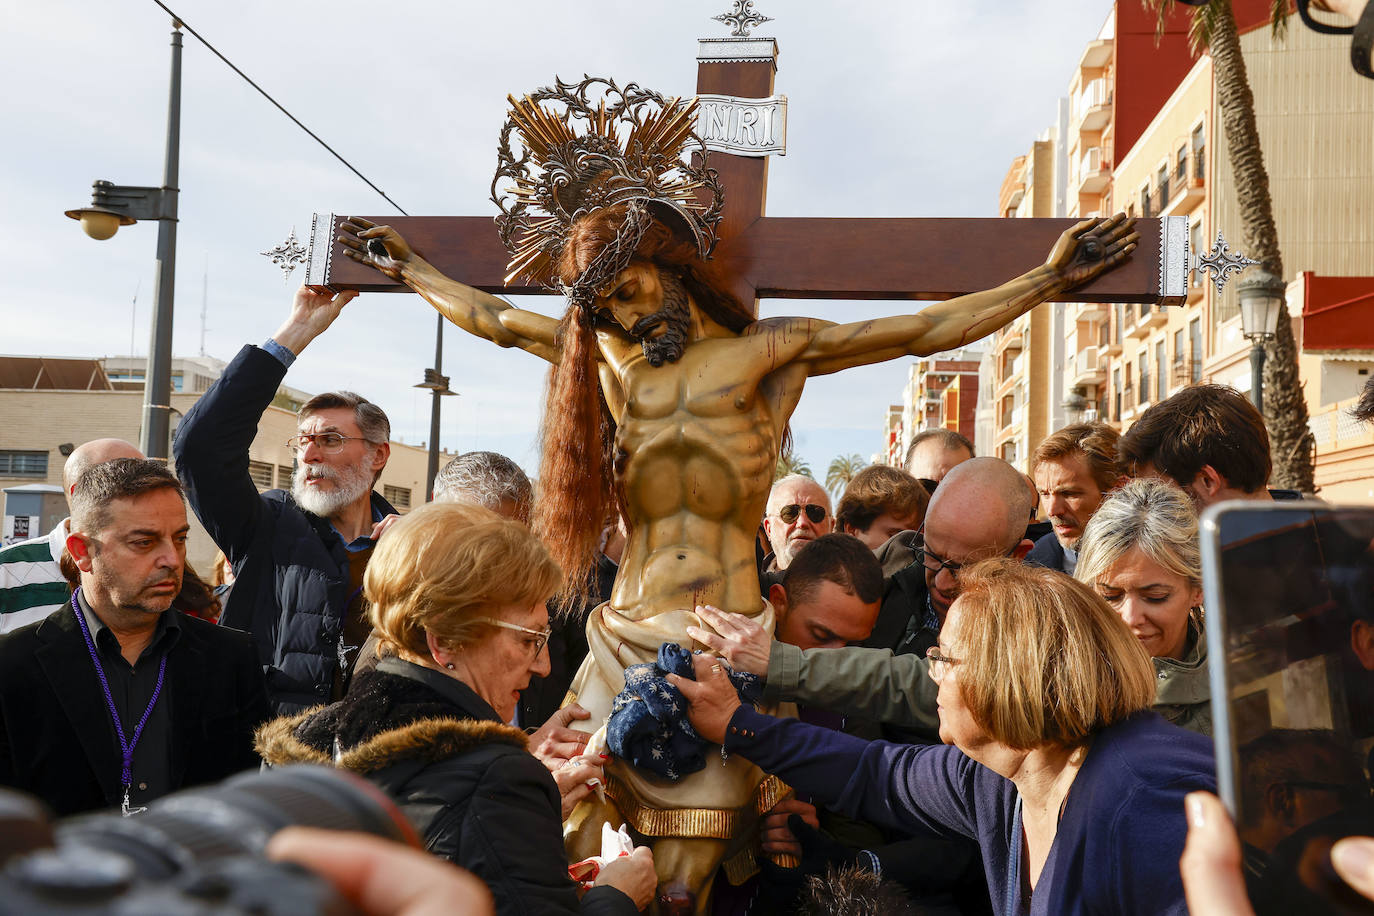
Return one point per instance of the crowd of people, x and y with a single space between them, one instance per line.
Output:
994 713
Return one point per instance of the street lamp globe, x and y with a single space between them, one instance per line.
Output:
1261 304
100 222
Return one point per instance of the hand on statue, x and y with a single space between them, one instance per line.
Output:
774 832
633 875
313 310
738 639
379 247
1092 247
554 743
711 697
384 525
577 779
382 878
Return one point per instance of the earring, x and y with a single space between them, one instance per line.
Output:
449 665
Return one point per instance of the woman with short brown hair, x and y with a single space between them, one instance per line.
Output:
1072 788
457 599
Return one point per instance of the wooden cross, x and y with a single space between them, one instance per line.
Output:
798 257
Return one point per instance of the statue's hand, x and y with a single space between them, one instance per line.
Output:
380 247
1092 247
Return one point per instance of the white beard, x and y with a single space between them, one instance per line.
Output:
350 484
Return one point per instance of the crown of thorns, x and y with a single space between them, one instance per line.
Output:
588 145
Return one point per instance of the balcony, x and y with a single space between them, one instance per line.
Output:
1186 186
1092 311
1009 338
1096 55
1157 317
1094 173
1127 401
1093 106
1184 372
1088 368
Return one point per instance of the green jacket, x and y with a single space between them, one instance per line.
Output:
872 683
1182 692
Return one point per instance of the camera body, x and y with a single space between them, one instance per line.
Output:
199 851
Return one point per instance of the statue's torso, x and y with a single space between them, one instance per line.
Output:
696 445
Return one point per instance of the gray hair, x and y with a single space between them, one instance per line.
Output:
371 419
1153 516
486 478
950 440
122 478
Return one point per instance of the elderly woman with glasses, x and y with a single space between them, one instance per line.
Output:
457 600
1052 760
1140 553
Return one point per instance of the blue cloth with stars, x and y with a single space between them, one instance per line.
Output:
648 725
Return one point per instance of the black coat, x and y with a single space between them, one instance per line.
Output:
291 587
56 737
1047 552
464 778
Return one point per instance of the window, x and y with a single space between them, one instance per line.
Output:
1143 370
1181 172
1161 379
1116 393
397 496
1162 182
1179 353
1195 348
1145 202
284 472
261 473
23 464
1199 140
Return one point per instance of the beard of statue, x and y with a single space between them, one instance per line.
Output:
577 494
675 318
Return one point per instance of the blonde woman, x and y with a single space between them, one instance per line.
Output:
1140 553
1071 787
457 599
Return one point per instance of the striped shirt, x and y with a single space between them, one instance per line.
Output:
31 582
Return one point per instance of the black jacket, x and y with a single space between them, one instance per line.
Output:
1047 552
466 781
56 737
291 588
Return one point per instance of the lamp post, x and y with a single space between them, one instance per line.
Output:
1261 304
113 206
437 383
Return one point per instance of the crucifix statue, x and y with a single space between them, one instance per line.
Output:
668 400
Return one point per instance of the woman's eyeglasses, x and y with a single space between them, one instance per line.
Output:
541 637
939 664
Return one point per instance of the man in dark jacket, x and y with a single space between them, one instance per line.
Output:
298 557
1074 469
116 697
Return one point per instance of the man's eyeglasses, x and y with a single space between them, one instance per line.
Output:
325 442
939 664
933 562
541 637
789 513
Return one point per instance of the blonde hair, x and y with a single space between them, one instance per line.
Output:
1044 660
1149 515
446 564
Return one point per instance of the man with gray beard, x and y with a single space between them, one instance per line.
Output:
298 557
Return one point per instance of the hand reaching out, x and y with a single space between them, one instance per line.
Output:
711 696
736 638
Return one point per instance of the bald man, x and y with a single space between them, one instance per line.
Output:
31 582
978 512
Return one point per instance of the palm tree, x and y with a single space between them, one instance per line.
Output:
841 472
1213 30
789 463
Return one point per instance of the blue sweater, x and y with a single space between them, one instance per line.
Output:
1119 840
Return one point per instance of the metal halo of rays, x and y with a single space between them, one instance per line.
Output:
742 18
287 255
589 145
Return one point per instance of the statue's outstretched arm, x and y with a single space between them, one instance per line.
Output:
476 312
1081 253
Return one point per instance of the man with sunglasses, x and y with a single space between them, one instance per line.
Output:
298 557
798 513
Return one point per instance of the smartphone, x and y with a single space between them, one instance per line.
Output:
1289 615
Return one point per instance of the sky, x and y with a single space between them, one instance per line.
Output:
929 102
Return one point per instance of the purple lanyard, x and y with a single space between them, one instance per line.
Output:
126 747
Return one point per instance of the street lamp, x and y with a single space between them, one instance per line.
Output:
1261 304
437 383
115 205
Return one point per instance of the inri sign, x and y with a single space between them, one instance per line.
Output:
745 127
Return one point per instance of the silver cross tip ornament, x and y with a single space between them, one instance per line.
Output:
287 255
1221 262
742 18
